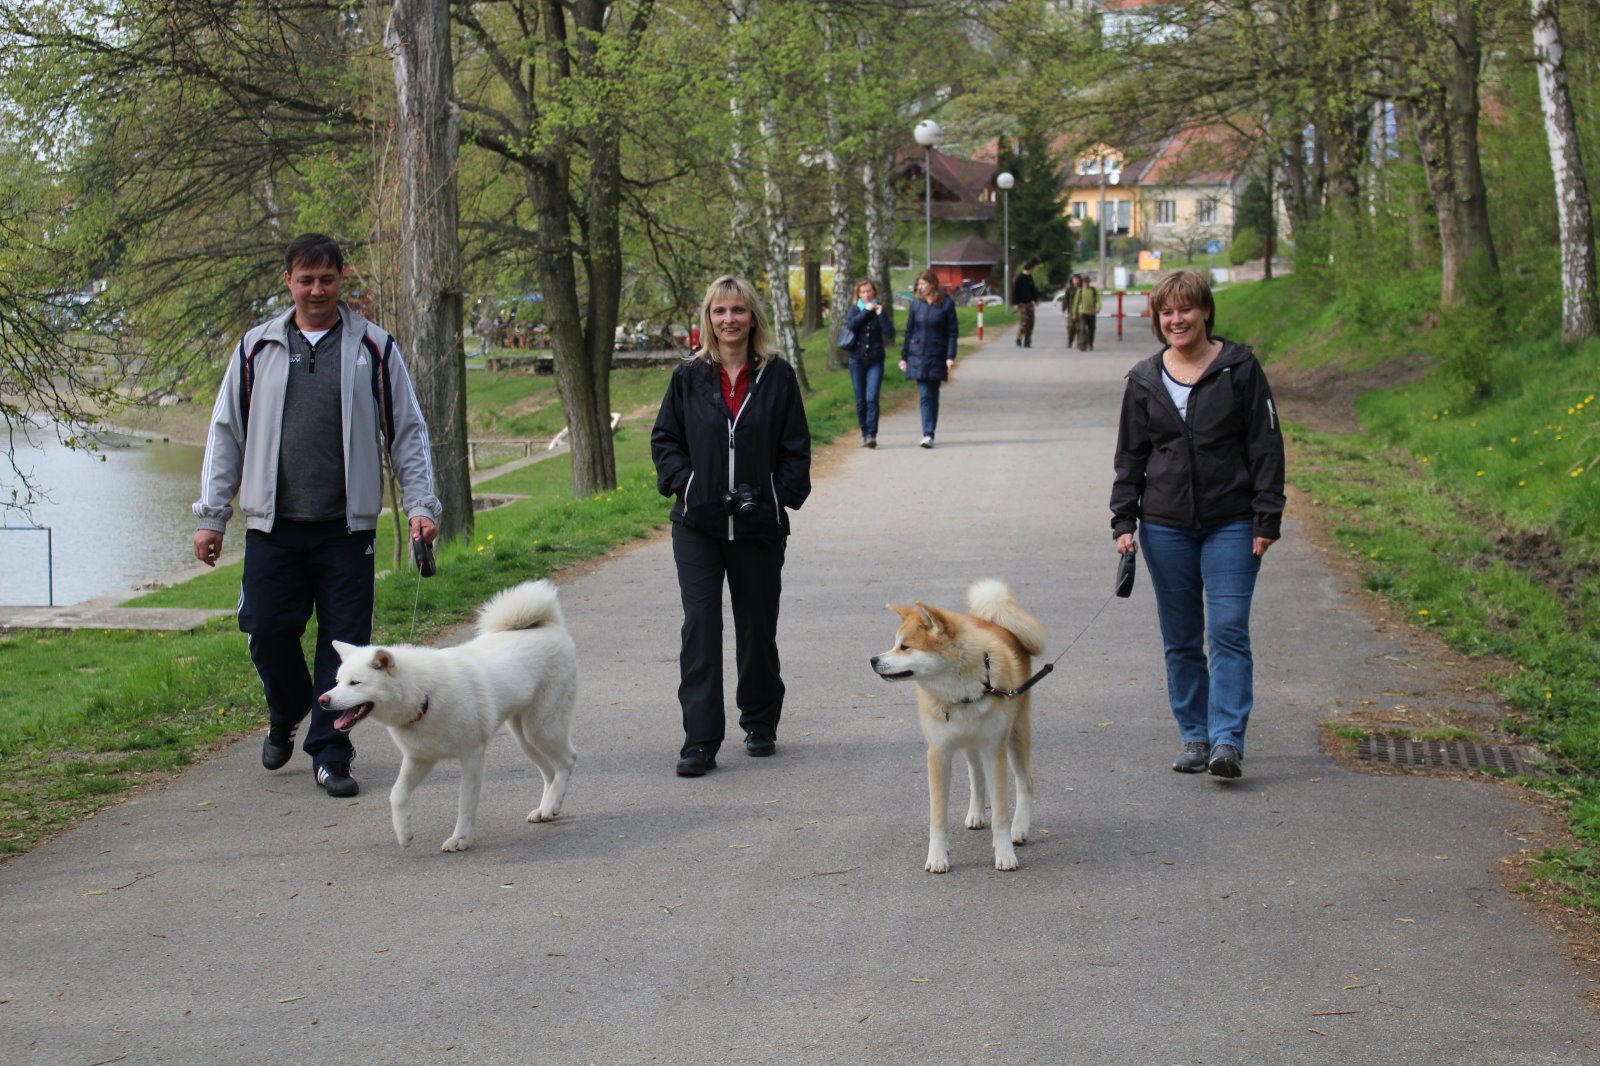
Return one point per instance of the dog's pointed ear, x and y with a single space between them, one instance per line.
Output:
931 618
383 659
903 612
343 649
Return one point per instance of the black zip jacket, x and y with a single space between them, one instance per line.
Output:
702 453
1224 463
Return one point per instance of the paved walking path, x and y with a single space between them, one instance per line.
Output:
776 911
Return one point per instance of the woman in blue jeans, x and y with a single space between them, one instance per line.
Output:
928 351
1199 477
872 324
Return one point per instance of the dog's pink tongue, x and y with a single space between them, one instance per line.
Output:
347 719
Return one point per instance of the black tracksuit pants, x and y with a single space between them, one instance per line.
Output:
753 570
288 572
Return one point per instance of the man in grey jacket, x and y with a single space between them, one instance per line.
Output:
303 451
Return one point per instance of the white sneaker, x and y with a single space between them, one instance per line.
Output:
927 442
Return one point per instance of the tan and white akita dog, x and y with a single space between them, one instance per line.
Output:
964 664
520 671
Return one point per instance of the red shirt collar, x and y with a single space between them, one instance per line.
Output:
734 392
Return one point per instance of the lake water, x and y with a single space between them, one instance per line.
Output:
118 517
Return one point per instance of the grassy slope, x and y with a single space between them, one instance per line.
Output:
1477 518
125 706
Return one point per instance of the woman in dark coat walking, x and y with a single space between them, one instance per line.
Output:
929 349
732 444
873 325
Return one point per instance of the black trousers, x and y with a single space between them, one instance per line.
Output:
753 570
1086 332
298 567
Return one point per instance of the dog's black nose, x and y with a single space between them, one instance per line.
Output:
874 662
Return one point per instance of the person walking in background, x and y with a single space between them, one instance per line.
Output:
1024 294
731 443
1199 478
1087 304
872 324
304 453
928 351
1069 296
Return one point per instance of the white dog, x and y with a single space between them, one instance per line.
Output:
520 670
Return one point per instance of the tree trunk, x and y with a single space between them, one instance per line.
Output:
581 333
839 221
811 273
785 340
1413 199
1269 239
428 135
1579 312
1447 133
877 178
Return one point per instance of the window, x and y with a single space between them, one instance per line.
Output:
1205 210
1080 209
1166 212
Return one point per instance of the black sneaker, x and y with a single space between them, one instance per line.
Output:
759 746
1192 760
335 778
696 762
277 747
1224 761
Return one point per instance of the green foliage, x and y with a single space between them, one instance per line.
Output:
1040 232
1254 212
1247 244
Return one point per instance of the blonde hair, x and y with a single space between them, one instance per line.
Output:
760 342
1179 287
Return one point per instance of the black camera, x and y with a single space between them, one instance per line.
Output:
741 500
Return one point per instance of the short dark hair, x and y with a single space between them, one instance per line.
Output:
313 250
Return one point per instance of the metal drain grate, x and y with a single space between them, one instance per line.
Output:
1402 751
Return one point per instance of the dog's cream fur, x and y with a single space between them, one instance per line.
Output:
521 671
955 659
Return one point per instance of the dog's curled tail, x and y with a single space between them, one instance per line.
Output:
991 600
526 606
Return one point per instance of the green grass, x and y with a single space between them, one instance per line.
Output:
1476 517
126 708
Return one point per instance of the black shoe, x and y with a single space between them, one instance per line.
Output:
1224 761
696 762
1193 758
872 442
277 747
335 777
758 746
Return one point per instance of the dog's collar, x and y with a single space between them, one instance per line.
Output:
1004 693
423 713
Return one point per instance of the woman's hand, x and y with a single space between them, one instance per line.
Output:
1126 544
1260 545
949 364
902 364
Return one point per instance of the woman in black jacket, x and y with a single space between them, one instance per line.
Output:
929 349
873 326
1199 476
731 443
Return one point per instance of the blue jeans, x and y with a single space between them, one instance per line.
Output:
928 400
1203 580
867 379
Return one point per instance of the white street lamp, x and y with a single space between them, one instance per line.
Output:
1114 177
1004 180
927 135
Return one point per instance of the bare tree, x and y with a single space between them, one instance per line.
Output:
1579 312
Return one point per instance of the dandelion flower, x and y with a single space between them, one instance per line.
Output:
1423 612
480 547
489 537
1480 473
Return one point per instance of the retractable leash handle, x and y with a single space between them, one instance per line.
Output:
422 554
1126 568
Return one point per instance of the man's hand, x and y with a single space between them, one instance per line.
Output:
207 546
422 526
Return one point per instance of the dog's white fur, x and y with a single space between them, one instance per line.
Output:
521 671
954 659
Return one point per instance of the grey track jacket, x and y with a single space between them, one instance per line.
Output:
378 404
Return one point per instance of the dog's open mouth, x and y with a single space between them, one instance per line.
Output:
901 676
349 718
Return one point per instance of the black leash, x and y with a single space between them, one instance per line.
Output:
1010 694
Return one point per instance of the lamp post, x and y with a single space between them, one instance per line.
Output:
1004 180
1115 177
927 135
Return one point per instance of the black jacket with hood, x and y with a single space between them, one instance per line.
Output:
1221 464
701 452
